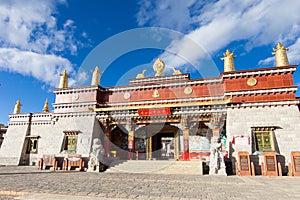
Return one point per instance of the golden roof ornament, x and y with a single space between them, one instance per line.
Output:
159 67
176 71
141 75
63 80
17 108
96 76
280 55
228 61
46 108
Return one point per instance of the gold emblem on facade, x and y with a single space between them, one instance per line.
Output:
251 82
188 90
127 95
159 67
75 97
155 93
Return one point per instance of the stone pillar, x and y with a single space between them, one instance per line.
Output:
150 148
186 134
147 148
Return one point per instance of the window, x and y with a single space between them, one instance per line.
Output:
263 140
70 141
32 145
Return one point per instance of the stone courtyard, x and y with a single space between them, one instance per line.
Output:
28 183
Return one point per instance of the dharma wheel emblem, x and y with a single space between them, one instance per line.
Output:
75 97
127 95
251 82
159 67
188 90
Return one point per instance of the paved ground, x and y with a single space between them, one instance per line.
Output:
28 183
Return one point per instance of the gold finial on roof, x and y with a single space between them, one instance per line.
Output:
63 80
141 75
17 109
280 55
96 76
159 67
176 71
46 108
228 61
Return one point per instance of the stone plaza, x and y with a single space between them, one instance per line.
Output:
26 182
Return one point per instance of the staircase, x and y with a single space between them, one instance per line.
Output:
156 167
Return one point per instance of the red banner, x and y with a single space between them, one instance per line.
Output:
154 112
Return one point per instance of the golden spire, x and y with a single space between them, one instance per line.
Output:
159 67
46 108
280 55
96 76
228 61
64 80
17 109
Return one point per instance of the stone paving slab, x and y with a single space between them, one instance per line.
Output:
29 183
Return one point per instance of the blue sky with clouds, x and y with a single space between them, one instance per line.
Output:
39 39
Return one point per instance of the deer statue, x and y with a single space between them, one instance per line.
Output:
176 71
142 75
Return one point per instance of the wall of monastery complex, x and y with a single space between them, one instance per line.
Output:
284 119
50 130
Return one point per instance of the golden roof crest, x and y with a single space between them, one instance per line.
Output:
159 67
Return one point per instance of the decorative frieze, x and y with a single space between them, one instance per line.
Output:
249 92
165 85
259 72
165 101
265 104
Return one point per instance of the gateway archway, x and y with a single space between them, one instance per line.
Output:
157 141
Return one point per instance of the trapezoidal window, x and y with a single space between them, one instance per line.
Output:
263 140
70 141
32 144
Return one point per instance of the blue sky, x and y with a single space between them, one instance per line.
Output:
39 39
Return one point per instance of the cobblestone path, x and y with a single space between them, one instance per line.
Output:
29 183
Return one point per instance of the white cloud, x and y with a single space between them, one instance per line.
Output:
217 24
46 68
31 42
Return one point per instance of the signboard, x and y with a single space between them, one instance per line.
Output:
244 163
154 112
241 140
295 156
270 164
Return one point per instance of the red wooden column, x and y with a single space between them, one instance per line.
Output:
186 141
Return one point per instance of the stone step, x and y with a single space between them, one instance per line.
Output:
157 167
